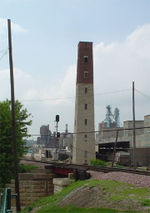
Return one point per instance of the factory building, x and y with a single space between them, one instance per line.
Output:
106 138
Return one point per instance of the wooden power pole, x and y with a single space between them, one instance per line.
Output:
13 118
134 136
115 146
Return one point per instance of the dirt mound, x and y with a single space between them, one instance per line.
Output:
97 197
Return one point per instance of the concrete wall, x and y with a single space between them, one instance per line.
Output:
61 183
129 124
33 186
125 135
147 124
142 156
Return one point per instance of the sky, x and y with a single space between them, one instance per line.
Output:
45 37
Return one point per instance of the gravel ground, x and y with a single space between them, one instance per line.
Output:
135 179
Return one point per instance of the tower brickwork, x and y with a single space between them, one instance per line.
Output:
84 139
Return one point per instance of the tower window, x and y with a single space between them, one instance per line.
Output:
85 138
85 162
85 106
85 154
85 90
85 74
86 44
85 121
85 59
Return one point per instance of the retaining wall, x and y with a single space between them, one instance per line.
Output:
33 186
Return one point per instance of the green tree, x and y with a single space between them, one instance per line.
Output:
6 141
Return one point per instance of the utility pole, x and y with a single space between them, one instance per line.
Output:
115 145
13 118
134 136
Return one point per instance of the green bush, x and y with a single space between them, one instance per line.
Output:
98 162
26 168
145 202
22 118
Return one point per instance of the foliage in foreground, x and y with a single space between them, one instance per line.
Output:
98 162
22 168
116 192
6 142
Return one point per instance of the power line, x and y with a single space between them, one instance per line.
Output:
45 99
141 93
113 92
2 50
88 132
6 51
73 97
98 131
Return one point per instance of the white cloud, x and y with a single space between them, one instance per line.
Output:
117 65
68 83
49 99
16 28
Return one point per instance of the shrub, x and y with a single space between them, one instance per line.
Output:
98 162
26 168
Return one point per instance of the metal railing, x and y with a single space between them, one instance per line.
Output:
6 201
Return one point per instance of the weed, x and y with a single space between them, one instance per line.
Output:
26 168
145 202
98 162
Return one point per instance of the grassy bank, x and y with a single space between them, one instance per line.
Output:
112 194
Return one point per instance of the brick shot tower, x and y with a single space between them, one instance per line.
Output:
84 137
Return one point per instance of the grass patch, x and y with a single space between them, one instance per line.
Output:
122 191
145 202
120 166
79 210
142 168
22 168
98 162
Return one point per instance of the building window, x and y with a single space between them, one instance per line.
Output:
85 74
85 121
85 59
85 106
86 90
85 138
85 162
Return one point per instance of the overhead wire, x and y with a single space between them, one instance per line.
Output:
73 97
5 52
90 132
141 93
98 131
2 50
